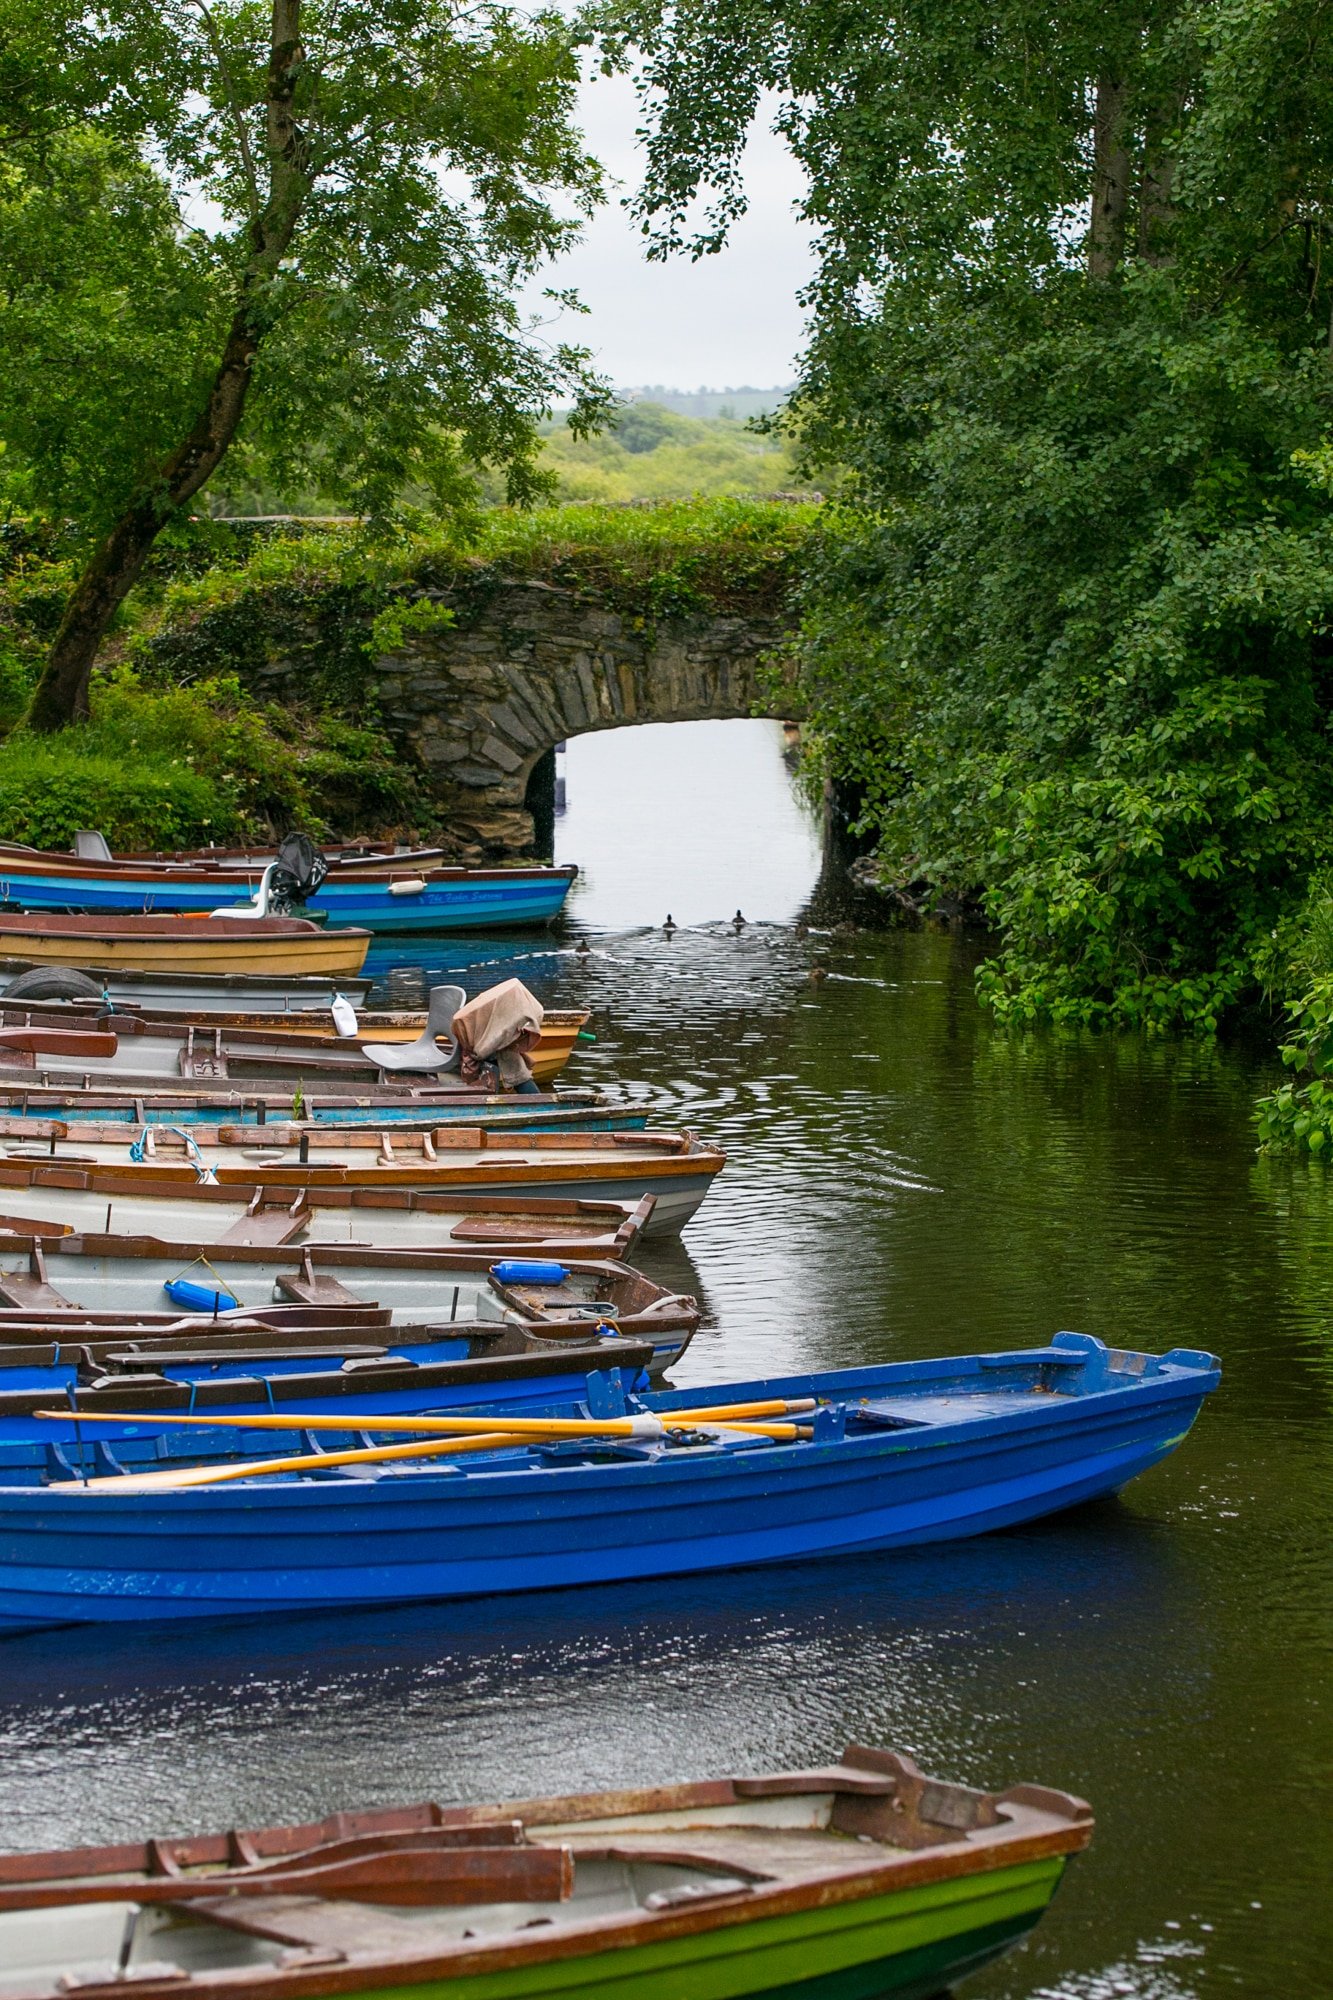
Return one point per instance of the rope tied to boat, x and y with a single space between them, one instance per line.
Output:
205 1174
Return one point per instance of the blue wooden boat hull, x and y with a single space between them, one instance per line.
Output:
510 897
491 1117
950 1449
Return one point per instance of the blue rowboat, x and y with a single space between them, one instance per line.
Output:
397 898
910 1453
404 1372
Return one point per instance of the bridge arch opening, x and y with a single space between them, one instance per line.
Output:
689 819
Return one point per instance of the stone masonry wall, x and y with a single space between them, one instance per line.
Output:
526 664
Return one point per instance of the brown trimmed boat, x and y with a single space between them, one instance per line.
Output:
62 1280
862 1878
394 893
37 1198
675 1167
191 992
162 1044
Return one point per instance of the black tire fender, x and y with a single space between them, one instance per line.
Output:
52 982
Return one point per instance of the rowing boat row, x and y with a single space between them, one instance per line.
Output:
392 1351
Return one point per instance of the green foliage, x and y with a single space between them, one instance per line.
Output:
1072 638
1299 1115
36 576
429 165
298 229
108 323
654 561
179 767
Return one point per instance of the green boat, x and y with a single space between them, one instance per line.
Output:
854 1881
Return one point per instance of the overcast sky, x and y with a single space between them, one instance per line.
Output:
720 323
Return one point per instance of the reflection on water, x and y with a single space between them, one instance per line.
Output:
903 1180
692 820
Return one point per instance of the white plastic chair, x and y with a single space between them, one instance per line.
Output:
425 1052
258 906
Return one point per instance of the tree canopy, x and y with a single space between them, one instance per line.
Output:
298 228
1070 342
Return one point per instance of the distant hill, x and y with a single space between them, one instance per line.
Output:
742 402
651 452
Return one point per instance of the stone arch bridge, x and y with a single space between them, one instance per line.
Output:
479 704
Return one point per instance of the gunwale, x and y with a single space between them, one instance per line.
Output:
269 995
132 924
620 1162
530 1358
23 1102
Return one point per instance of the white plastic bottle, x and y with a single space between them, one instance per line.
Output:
344 1015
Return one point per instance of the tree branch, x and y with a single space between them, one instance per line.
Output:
233 105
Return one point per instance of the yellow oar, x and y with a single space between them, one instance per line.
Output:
173 1479
648 1425
214 1475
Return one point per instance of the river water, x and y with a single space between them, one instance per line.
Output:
903 1180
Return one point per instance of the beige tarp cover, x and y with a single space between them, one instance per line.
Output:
489 1026
497 1017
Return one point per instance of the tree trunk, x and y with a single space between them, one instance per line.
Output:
1110 179
61 695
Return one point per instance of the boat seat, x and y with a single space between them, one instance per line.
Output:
517 1229
309 1290
426 1051
57 1041
894 1412
19 1289
274 1226
90 845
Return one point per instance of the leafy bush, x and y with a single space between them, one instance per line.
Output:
650 561
179 767
48 790
1299 1116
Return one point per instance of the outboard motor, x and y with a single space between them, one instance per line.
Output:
298 870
